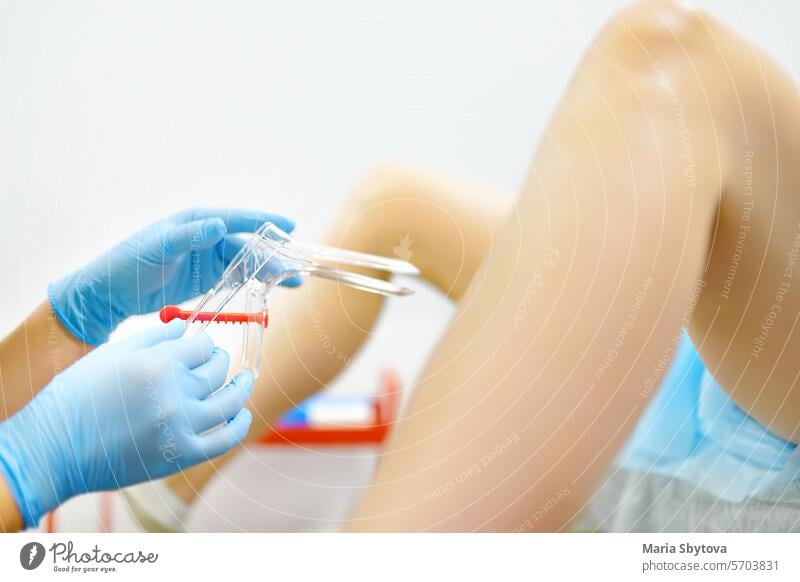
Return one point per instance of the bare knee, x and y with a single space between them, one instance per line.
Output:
364 221
386 183
442 224
658 19
650 31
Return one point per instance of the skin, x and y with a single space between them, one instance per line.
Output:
42 339
673 133
10 517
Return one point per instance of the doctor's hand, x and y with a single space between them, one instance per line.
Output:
140 409
167 263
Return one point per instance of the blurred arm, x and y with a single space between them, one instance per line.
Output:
38 349
10 517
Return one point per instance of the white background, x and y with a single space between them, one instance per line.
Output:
115 114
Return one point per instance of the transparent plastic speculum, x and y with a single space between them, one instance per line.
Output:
270 257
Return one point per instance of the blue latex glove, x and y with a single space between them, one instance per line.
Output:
167 263
128 412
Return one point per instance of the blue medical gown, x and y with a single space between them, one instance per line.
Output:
693 431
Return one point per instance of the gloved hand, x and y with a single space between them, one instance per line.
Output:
167 263
130 411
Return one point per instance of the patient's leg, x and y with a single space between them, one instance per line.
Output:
444 226
534 388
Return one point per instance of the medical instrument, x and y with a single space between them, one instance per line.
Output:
168 262
171 312
270 257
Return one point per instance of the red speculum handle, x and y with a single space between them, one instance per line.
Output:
171 312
